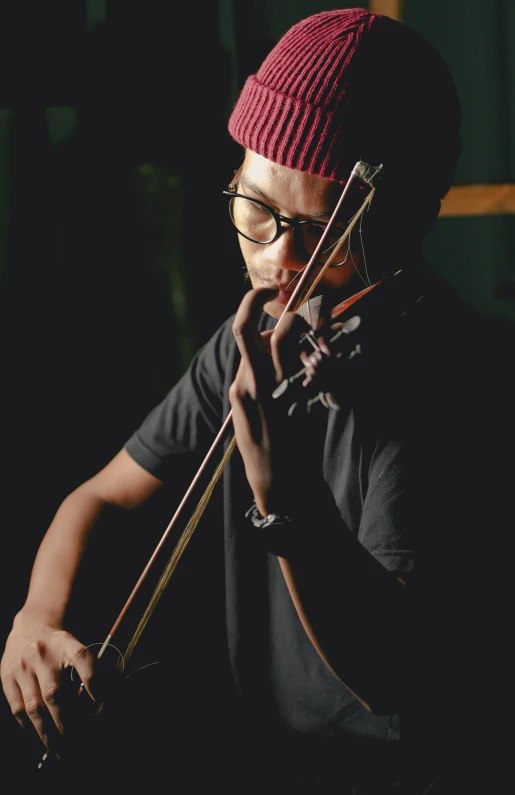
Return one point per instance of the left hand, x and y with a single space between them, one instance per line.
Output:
274 452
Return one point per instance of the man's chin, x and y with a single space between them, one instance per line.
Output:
274 308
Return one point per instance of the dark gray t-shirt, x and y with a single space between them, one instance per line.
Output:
406 461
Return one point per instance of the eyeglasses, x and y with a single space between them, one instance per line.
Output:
260 223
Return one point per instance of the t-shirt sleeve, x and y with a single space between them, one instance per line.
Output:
190 416
409 506
388 519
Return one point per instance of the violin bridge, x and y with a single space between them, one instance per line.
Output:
310 311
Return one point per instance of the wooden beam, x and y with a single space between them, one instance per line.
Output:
479 200
391 8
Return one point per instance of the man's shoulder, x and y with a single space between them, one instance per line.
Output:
220 341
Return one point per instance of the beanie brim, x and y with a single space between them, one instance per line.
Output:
294 133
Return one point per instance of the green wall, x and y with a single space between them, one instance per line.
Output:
476 39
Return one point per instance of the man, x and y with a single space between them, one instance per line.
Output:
363 618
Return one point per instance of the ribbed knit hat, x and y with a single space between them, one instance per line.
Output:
346 85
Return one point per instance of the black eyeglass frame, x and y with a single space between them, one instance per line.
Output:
295 223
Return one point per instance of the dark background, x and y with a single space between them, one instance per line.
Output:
117 260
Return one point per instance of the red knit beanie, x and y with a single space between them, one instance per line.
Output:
346 85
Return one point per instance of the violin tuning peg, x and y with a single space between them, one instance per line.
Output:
352 324
281 389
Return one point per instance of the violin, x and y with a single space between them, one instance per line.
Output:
348 333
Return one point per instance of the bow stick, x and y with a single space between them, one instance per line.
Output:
304 289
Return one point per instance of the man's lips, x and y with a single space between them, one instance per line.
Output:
282 297
284 290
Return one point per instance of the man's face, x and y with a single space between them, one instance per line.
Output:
302 196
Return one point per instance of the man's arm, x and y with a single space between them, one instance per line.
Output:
38 648
332 579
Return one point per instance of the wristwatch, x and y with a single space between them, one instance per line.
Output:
278 533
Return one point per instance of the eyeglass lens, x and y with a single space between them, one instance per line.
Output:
254 221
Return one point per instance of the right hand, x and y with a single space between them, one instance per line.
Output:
36 660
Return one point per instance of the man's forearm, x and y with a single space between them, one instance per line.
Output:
62 549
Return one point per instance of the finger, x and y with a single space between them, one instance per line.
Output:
322 344
249 422
53 695
15 700
247 413
245 325
284 344
35 710
83 661
310 362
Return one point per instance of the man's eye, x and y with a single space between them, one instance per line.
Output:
253 207
316 230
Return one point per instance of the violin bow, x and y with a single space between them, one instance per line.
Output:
303 291
368 175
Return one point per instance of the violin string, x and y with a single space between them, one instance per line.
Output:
294 279
339 244
347 255
368 280
365 279
109 646
137 670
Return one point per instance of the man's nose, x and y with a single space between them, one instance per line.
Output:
287 252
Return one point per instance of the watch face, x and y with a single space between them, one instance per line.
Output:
276 532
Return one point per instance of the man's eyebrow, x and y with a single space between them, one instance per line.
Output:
254 187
